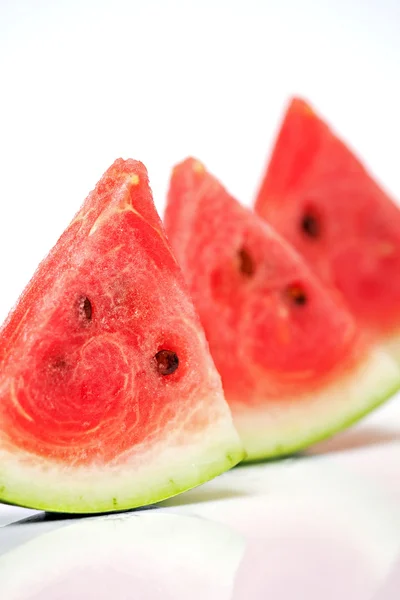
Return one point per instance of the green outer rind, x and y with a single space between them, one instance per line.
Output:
163 473
365 388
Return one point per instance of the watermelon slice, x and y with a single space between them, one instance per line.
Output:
293 366
109 398
320 197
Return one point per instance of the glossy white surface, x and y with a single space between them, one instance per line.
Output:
85 81
326 525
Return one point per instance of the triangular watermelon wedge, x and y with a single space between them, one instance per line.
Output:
293 367
109 398
319 196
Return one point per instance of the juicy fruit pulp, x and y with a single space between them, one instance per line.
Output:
280 341
319 196
109 398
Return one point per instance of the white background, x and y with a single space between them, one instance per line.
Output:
83 82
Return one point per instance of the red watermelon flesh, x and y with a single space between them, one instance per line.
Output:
320 197
293 366
109 398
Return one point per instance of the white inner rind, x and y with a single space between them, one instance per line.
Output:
291 424
392 345
145 474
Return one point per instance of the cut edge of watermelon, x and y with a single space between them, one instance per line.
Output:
158 472
294 424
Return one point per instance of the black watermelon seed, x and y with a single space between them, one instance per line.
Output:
85 308
297 295
167 362
57 368
60 364
311 225
246 263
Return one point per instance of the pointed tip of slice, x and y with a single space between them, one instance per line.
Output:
123 172
126 166
190 169
299 105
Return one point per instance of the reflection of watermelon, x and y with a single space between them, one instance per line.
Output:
318 529
108 396
147 555
292 366
319 196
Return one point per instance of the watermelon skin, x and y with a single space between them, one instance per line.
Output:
88 423
320 197
294 367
